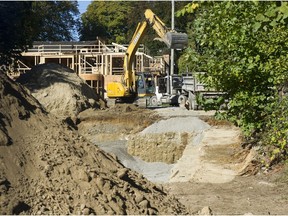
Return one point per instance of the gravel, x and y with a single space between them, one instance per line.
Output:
177 124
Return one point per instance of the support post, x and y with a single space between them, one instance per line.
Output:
172 50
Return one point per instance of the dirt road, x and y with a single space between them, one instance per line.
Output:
197 159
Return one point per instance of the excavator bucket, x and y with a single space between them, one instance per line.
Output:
176 40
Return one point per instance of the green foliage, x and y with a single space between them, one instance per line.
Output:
106 20
116 21
187 9
276 131
23 22
13 35
242 47
55 20
211 103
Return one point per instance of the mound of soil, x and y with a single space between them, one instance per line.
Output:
47 168
60 90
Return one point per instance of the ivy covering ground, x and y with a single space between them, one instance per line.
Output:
242 46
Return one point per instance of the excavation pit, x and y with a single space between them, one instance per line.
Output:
164 147
165 141
142 141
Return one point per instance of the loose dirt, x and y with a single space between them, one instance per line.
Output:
46 167
207 177
60 90
122 160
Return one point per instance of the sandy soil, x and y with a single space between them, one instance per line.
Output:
60 90
46 167
209 172
122 160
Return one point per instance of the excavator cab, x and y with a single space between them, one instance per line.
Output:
145 84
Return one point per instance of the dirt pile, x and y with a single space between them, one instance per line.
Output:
47 168
60 90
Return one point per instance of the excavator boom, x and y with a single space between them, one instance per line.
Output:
171 38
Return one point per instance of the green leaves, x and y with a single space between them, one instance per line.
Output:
262 18
242 47
55 20
15 29
276 132
274 15
107 20
189 8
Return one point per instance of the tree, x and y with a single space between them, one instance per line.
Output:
13 35
243 53
242 47
116 21
55 20
106 20
23 22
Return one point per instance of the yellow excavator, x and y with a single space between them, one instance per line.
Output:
141 84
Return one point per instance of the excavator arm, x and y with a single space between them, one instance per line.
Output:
171 38
129 73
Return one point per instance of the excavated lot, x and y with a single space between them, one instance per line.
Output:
46 167
61 156
197 159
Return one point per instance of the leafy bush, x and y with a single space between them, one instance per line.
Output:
242 47
275 133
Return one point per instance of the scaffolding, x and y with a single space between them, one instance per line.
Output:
94 61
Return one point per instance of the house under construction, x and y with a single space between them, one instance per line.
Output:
93 61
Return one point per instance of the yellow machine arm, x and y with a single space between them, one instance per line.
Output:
158 26
129 73
172 39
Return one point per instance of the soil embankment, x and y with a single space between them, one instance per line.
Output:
47 168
